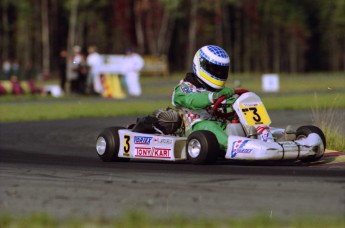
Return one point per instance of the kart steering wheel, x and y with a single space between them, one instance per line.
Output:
216 106
241 91
218 103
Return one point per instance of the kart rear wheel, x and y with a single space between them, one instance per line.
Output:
107 145
202 147
303 132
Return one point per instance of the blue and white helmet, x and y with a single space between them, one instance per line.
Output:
211 64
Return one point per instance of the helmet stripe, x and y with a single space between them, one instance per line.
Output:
214 81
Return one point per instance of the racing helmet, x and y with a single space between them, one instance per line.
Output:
211 64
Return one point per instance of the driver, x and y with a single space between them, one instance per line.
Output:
198 91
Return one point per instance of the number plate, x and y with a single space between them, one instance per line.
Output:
126 145
255 114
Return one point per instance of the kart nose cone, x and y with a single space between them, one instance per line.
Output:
101 145
194 148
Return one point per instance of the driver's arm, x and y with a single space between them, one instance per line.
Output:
183 97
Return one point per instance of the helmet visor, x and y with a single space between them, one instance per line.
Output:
220 72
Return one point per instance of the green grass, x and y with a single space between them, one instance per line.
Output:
303 101
76 109
327 119
84 107
297 83
297 92
142 220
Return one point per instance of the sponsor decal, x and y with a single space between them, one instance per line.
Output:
161 152
186 90
162 141
266 135
142 152
154 152
142 140
238 147
250 104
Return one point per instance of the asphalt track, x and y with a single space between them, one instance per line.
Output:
52 167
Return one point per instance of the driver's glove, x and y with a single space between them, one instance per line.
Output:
226 91
229 102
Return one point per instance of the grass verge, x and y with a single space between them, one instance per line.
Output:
76 109
138 219
296 92
288 83
89 107
327 119
303 101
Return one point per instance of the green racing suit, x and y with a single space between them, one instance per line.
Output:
195 104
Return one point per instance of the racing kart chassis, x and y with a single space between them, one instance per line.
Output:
249 138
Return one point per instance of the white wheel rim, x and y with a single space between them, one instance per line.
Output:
321 148
101 145
194 148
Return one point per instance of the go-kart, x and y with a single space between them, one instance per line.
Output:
250 137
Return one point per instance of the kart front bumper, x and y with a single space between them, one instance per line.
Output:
241 148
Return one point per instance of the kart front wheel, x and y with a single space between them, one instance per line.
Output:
107 145
303 132
202 147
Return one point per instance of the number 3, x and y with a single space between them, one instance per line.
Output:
126 146
256 116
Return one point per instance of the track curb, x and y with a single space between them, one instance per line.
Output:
332 158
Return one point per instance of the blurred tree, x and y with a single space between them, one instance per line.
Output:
170 14
45 38
72 6
4 31
124 29
260 35
332 17
283 28
25 33
153 28
192 32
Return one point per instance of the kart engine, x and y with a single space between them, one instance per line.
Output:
169 121
165 121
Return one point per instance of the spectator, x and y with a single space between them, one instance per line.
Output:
83 71
28 72
132 65
62 69
94 61
10 68
14 68
74 69
6 68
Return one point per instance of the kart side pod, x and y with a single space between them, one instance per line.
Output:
149 146
241 148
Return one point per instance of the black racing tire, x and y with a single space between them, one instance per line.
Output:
202 147
303 132
109 137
